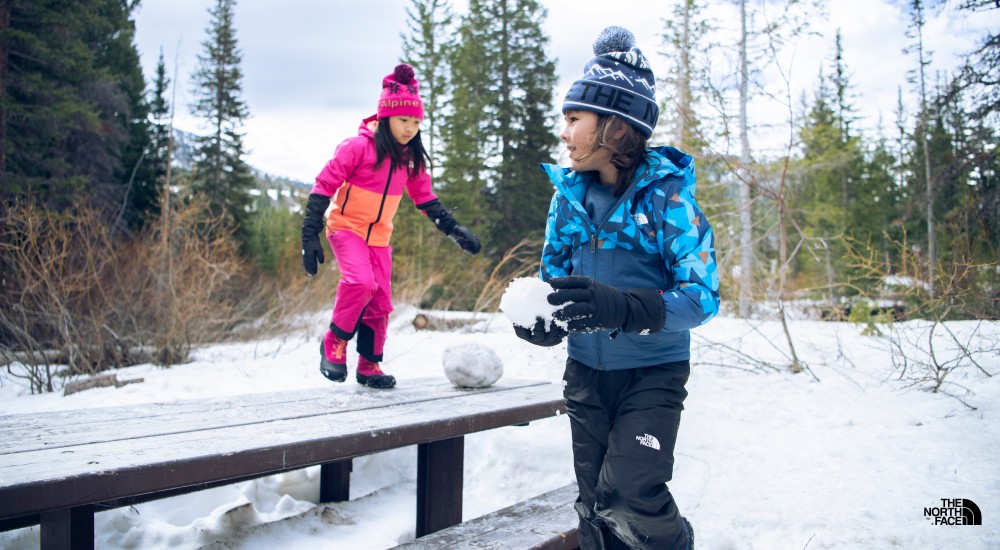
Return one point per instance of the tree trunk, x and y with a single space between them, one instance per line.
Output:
746 218
684 81
924 127
5 7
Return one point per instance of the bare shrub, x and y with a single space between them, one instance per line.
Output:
928 354
947 333
75 296
58 268
188 276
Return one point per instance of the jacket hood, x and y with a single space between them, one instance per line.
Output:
659 163
367 127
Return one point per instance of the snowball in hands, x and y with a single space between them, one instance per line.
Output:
472 365
526 299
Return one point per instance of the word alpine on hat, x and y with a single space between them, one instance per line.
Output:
400 94
618 81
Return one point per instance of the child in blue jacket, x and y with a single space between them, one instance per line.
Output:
630 254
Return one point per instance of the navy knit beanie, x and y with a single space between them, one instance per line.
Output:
618 81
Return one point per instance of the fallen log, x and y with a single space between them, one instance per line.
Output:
100 381
427 322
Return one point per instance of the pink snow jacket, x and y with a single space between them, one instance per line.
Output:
365 199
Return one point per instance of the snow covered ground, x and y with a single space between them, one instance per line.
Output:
766 459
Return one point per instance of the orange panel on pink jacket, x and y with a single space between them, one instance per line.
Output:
365 199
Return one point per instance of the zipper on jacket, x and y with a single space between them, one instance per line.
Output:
381 206
347 197
597 339
633 189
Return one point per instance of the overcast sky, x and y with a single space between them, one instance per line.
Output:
313 69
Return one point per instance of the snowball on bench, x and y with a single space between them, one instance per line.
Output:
472 365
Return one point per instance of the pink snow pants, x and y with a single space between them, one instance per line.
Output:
364 293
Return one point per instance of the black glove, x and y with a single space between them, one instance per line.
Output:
312 225
465 239
539 335
446 223
594 305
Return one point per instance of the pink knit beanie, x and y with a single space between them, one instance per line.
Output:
400 94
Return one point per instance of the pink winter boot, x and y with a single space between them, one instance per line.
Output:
333 358
369 374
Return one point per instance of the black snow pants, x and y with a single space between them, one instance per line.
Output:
624 425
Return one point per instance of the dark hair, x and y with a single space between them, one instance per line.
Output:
413 155
626 151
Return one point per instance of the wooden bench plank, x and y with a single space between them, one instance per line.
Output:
68 428
51 478
346 396
547 521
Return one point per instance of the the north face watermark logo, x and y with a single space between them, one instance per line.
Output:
648 441
954 511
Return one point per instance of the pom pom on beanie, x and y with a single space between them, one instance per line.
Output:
614 39
403 73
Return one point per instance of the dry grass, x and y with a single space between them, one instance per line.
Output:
79 300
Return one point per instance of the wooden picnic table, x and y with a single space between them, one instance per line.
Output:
57 469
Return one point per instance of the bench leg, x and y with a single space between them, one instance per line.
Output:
335 481
68 529
439 484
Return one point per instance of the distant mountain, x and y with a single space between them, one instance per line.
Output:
280 189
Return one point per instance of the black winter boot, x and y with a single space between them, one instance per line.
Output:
334 370
690 530
369 374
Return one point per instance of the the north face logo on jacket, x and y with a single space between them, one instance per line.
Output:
650 441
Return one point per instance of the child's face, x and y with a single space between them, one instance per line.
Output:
579 135
403 128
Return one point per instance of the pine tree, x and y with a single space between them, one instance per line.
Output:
465 132
70 102
522 192
876 211
975 87
416 243
963 154
979 76
136 174
425 48
499 129
842 87
220 174
916 32
851 155
160 127
819 199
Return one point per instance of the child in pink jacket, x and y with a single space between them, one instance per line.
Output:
365 179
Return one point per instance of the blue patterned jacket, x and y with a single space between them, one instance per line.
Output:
654 237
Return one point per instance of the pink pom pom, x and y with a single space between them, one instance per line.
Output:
403 73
